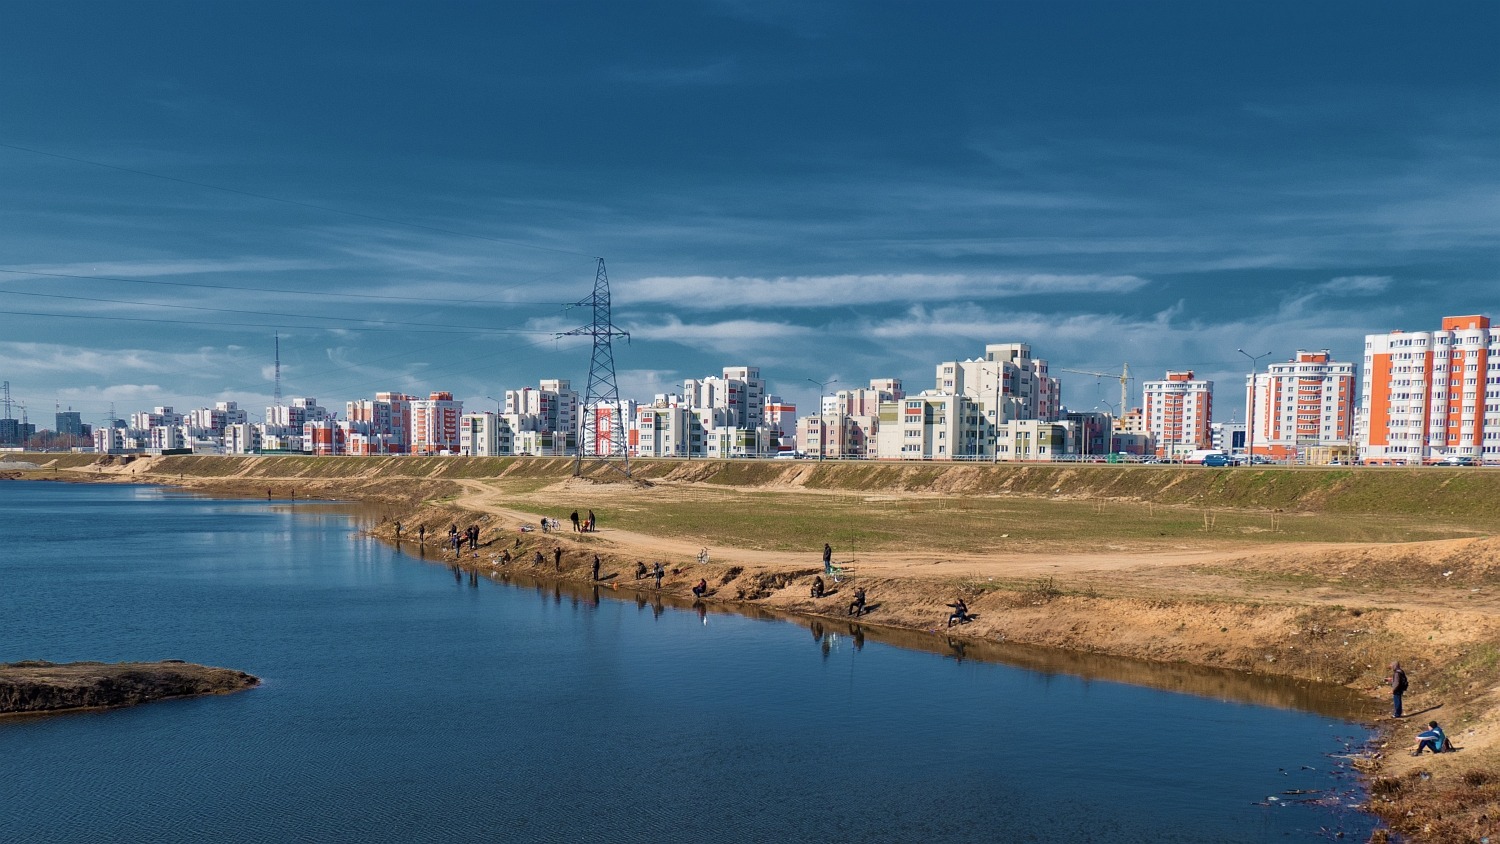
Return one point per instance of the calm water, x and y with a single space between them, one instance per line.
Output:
403 704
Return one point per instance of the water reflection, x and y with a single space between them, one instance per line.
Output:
1217 684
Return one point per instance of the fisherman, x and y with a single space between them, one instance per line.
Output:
960 612
658 571
398 530
700 588
818 587
556 557
827 558
596 567
1398 684
857 608
1433 738
640 570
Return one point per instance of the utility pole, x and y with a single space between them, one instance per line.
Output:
1250 423
277 400
603 389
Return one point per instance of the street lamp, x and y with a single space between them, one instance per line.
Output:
823 426
1250 431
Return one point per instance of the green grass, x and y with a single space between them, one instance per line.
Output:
787 521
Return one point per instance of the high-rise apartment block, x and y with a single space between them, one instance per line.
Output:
1431 395
434 424
1307 401
1177 414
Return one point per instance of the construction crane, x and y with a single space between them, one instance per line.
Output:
1124 377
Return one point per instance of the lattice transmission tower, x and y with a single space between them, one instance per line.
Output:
602 441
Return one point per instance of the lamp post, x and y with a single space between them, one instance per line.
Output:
1250 420
1109 444
823 423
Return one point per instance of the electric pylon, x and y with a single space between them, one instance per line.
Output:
602 442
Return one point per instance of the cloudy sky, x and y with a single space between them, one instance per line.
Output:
410 194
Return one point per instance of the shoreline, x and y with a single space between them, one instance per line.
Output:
38 689
1298 615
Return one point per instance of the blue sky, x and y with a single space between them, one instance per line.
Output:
829 191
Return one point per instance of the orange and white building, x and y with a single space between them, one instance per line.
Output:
1431 395
1302 403
1177 413
434 424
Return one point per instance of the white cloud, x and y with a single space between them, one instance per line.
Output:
1355 285
763 339
719 292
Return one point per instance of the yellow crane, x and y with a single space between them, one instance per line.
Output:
1124 377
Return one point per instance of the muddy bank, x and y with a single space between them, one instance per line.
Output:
35 687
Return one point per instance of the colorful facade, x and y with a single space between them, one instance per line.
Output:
1303 403
1432 395
1177 413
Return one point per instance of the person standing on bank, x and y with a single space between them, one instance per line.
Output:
827 558
1398 687
574 519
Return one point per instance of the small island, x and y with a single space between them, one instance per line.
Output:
35 687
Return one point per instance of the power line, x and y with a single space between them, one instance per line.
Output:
458 329
226 310
293 202
426 299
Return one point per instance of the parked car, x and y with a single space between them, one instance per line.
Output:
1218 460
1459 460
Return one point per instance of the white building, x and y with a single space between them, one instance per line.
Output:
1305 402
485 435
1432 395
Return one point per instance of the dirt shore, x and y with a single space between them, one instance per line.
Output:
1328 612
44 688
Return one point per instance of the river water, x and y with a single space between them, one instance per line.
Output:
403 702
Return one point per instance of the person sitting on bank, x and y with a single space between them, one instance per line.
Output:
700 588
857 608
960 612
1433 738
640 570
818 587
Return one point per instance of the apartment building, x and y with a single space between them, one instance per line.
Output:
387 421
1177 412
1302 403
485 435
1431 395
290 417
434 423
661 429
921 427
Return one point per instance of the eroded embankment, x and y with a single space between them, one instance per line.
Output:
36 687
